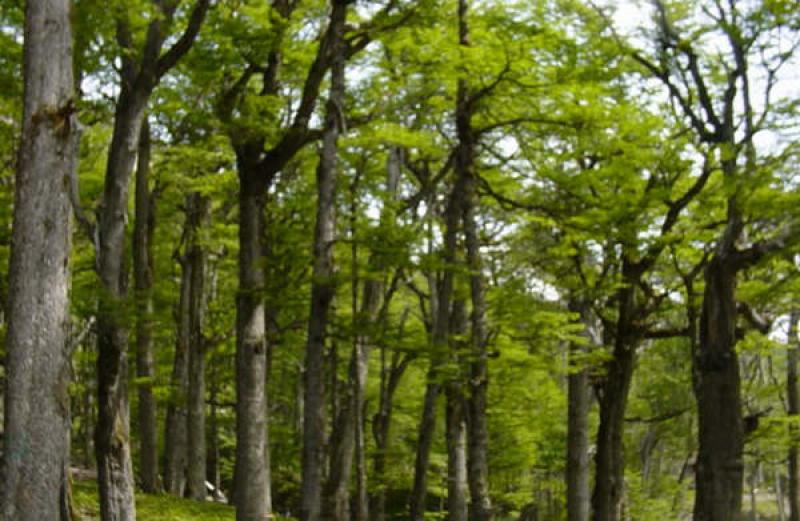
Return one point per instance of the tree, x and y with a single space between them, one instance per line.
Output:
37 411
142 69
724 117
323 286
143 267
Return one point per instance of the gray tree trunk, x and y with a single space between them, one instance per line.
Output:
197 214
578 406
441 302
323 285
457 483
175 440
455 421
140 72
112 435
143 264
477 428
36 412
251 477
373 290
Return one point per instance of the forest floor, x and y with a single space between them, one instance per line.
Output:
151 507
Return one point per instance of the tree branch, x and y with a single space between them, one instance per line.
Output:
184 43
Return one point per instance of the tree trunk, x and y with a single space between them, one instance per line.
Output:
793 409
112 436
140 73
578 406
478 433
197 215
251 477
144 225
342 443
613 399
175 437
37 364
457 486
721 433
347 440
212 458
455 423
373 290
441 306
427 426
323 284
381 424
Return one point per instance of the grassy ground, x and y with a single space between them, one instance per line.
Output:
151 508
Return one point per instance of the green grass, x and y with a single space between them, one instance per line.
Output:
151 507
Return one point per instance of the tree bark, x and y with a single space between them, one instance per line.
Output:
720 464
197 215
257 168
793 409
112 435
143 264
140 72
323 284
213 456
578 406
612 399
251 478
36 412
426 430
457 483
455 422
175 440
478 433
441 306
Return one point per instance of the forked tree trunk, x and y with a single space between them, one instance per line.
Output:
140 72
441 306
37 418
143 264
112 436
433 389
